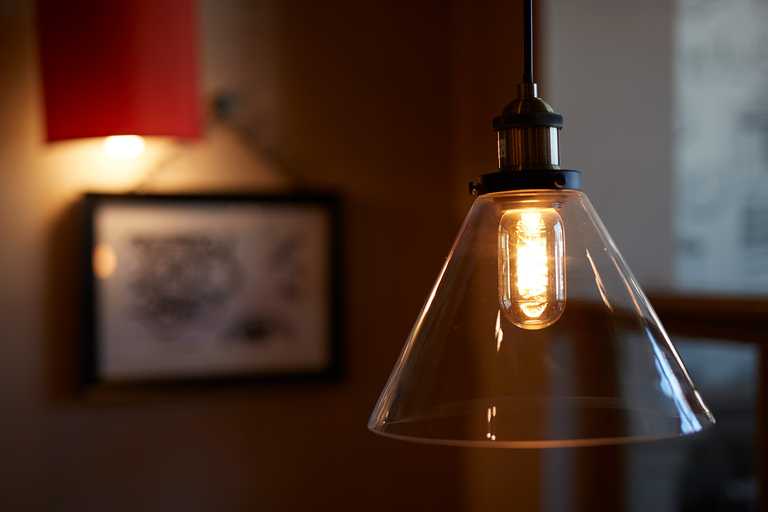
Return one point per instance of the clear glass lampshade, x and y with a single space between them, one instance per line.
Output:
537 335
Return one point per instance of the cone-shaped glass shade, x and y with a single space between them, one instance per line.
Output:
536 334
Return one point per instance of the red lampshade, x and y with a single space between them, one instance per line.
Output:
120 67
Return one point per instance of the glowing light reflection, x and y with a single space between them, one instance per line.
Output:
104 261
498 331
599 282
670 386
490 435
123 147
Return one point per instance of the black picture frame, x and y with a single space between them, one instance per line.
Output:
92 375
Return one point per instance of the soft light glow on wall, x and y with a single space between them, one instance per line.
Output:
86 164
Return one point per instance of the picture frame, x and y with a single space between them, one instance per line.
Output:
211 288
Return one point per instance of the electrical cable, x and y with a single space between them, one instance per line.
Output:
528 41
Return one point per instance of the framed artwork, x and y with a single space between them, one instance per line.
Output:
195 287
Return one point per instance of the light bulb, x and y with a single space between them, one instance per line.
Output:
123 147
531 267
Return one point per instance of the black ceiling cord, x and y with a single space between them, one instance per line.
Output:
528 41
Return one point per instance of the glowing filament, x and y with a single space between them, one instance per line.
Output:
532 264
531 267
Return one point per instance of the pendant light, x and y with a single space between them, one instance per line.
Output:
536 334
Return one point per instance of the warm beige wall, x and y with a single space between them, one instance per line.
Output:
350 95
